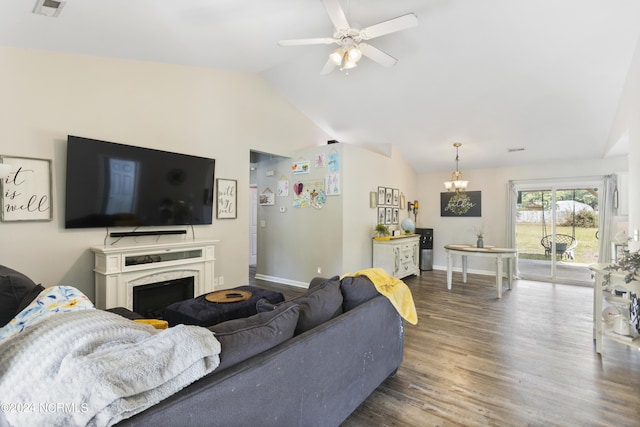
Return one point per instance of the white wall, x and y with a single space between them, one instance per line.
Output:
212 113
493 184
627 122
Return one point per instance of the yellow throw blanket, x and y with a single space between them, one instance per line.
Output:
394 289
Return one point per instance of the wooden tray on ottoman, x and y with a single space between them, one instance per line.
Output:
229 295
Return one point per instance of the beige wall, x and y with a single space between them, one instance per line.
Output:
212 113
364 171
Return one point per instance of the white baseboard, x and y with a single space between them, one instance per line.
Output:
283 281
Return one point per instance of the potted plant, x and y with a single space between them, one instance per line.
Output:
629 264
382 232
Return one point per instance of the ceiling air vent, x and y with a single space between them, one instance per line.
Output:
49 8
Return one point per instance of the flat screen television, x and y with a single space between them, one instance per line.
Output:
117 185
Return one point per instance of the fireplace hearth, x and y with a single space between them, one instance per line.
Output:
119 273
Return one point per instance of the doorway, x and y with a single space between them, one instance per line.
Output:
261 171
557 230
253 226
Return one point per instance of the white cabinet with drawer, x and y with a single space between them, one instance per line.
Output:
399 256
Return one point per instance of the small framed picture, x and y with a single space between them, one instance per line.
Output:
396 216
26 192
382 196
618 250
267 198
301 166
226 199
389 197
381 213
396 197
373 199
388 216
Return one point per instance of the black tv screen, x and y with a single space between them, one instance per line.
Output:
117 185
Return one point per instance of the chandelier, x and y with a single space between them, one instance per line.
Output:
456 183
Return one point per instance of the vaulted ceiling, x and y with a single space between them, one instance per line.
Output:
545 76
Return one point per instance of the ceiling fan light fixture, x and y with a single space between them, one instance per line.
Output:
354 54
350 41
347 65
337 56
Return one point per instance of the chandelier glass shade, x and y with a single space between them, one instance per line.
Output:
456 183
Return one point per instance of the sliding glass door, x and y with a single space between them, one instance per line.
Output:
556 230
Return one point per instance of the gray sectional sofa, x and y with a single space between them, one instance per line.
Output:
316 378
309 361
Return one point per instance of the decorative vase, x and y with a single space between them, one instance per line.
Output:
480 243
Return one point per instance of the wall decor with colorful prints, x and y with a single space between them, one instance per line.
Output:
300 166
333 184
310 193
283 187
333 161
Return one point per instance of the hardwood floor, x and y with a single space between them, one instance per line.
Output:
525 360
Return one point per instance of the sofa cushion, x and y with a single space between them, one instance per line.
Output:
242 338
320 303
357 290
14 286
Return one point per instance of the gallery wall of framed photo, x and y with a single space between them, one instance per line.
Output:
389 205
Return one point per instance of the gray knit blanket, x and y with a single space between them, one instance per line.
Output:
96 368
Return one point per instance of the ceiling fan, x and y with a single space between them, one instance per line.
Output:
351 41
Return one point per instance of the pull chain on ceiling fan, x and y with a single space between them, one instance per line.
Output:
351 42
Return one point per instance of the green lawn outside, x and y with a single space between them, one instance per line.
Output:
528 236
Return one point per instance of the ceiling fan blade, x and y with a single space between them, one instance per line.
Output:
377 55
300 42
328 67
392 25
336 14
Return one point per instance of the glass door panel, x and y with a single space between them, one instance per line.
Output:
533 222
576 233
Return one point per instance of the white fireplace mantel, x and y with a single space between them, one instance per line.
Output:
118 269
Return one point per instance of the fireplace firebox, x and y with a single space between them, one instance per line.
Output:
151 300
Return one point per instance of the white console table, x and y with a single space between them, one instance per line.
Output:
499 254
118 269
